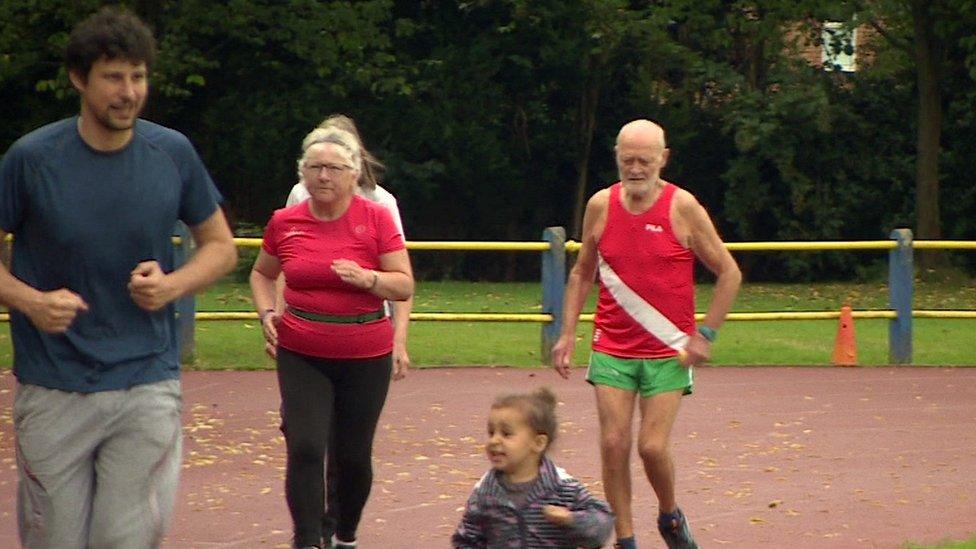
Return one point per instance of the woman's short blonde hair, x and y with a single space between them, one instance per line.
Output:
345 142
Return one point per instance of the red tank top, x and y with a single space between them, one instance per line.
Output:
646 282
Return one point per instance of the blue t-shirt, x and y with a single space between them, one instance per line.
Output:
82 220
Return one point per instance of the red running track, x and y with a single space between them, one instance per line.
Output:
766 457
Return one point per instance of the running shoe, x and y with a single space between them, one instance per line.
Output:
675 531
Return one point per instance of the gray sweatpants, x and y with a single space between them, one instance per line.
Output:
97 470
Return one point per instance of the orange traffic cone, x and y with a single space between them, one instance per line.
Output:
845 346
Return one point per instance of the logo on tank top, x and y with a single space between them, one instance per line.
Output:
294 232
596 335
360 229
652 228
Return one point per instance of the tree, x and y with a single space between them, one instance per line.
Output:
497 117
610 30
243 79
739 64
931 34
34 88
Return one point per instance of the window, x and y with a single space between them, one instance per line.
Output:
839 51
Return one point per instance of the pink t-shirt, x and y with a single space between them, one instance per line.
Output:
306 248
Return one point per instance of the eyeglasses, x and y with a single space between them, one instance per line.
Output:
331 169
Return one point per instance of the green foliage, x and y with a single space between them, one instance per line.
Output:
497 118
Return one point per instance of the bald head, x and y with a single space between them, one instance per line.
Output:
642 133
641 154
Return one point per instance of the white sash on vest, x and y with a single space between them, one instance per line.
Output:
640 310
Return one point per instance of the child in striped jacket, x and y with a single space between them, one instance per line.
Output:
525 500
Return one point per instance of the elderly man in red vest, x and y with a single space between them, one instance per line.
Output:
642 235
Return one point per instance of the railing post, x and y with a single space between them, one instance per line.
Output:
901 273
553 288
185 306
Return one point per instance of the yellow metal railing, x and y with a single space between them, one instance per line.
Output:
588 317
573 246
554 247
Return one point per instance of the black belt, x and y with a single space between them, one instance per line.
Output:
338 319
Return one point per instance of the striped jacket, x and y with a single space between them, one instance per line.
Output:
491 520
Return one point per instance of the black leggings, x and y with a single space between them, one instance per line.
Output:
317 394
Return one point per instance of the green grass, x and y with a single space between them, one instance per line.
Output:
967 544
525 297
237 344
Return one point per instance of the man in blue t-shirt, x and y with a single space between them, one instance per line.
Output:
92 202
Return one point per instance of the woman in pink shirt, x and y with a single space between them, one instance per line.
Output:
342 256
